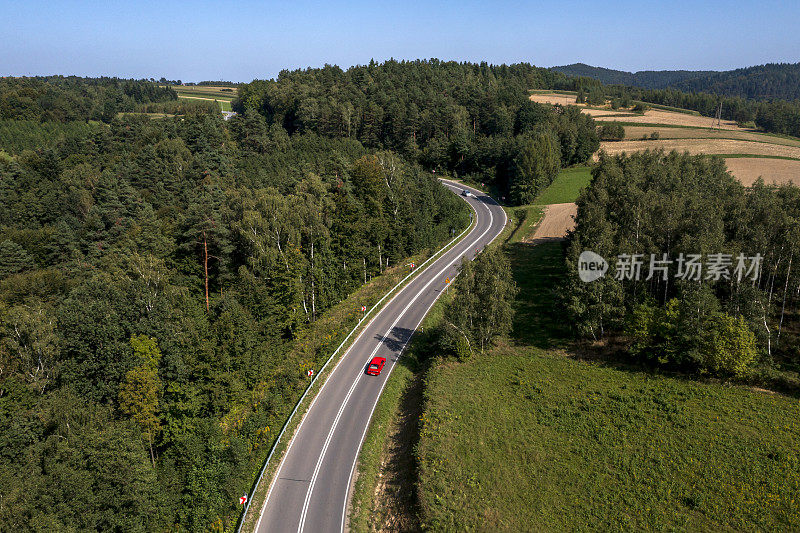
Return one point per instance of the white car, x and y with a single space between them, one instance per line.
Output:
466 193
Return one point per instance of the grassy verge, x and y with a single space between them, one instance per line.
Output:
566 187
384 494
527 217
314 347
528 438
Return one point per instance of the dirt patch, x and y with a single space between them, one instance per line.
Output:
553 98
395 496
558 219
748 170
636 132
703 146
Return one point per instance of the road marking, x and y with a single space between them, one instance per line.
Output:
324 450
380 392
433 258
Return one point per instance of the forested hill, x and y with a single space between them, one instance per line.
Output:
648 79
762 82
70 98
474 120
158 281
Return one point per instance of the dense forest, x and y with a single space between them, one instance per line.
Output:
772 81
472 120
736 318
69 98
154 275
647 79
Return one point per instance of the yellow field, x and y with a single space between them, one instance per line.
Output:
636 132
748 170
671 118
704 147
697 136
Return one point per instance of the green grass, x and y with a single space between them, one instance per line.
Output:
566 187
527 438
525 220
538 271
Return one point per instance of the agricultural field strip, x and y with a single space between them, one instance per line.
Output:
704 146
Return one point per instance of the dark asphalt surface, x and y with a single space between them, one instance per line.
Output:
310 490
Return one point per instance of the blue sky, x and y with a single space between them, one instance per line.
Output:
243 40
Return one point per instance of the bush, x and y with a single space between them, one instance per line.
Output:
611 132
655 136
729 346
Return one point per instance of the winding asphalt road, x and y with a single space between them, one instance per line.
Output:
311 488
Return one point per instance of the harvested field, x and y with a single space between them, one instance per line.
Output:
636 132
553 98
657 116
611 114
557 221
747 170
653 116
704 147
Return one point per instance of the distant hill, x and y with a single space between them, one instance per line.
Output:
773 80
648 79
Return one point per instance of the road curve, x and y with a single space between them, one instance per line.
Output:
310 489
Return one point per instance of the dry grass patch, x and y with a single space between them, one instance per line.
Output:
553 98
636 132
748 170
557 221
658 116
703 147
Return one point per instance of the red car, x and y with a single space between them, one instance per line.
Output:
375 366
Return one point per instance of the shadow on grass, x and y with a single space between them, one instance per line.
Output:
539 319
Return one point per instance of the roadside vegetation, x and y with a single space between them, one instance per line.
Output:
546 431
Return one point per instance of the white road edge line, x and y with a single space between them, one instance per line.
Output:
324 450
336 367
366 428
